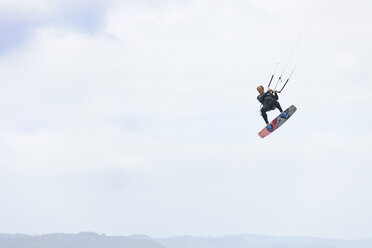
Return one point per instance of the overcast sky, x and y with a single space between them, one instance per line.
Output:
126 117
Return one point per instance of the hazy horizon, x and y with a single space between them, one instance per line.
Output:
87 239
144 235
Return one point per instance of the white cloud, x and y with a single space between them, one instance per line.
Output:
158 108
25 6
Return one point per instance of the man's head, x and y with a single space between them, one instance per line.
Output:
261 89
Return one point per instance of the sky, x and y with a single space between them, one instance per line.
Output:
125 117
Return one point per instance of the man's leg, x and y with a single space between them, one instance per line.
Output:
277 105
264 115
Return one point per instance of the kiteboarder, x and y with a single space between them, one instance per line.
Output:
269 101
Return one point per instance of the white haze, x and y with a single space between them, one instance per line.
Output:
141 117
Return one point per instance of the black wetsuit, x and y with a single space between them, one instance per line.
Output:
269 102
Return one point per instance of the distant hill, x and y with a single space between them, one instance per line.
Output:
81 240
260 241
94 240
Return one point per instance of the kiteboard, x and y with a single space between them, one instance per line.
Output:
277 122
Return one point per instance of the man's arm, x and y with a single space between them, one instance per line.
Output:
276 95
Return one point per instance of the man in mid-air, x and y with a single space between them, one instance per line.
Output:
269 101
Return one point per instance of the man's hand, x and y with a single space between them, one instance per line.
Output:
270 90
275 91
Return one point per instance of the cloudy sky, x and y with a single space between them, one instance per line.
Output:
130 116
